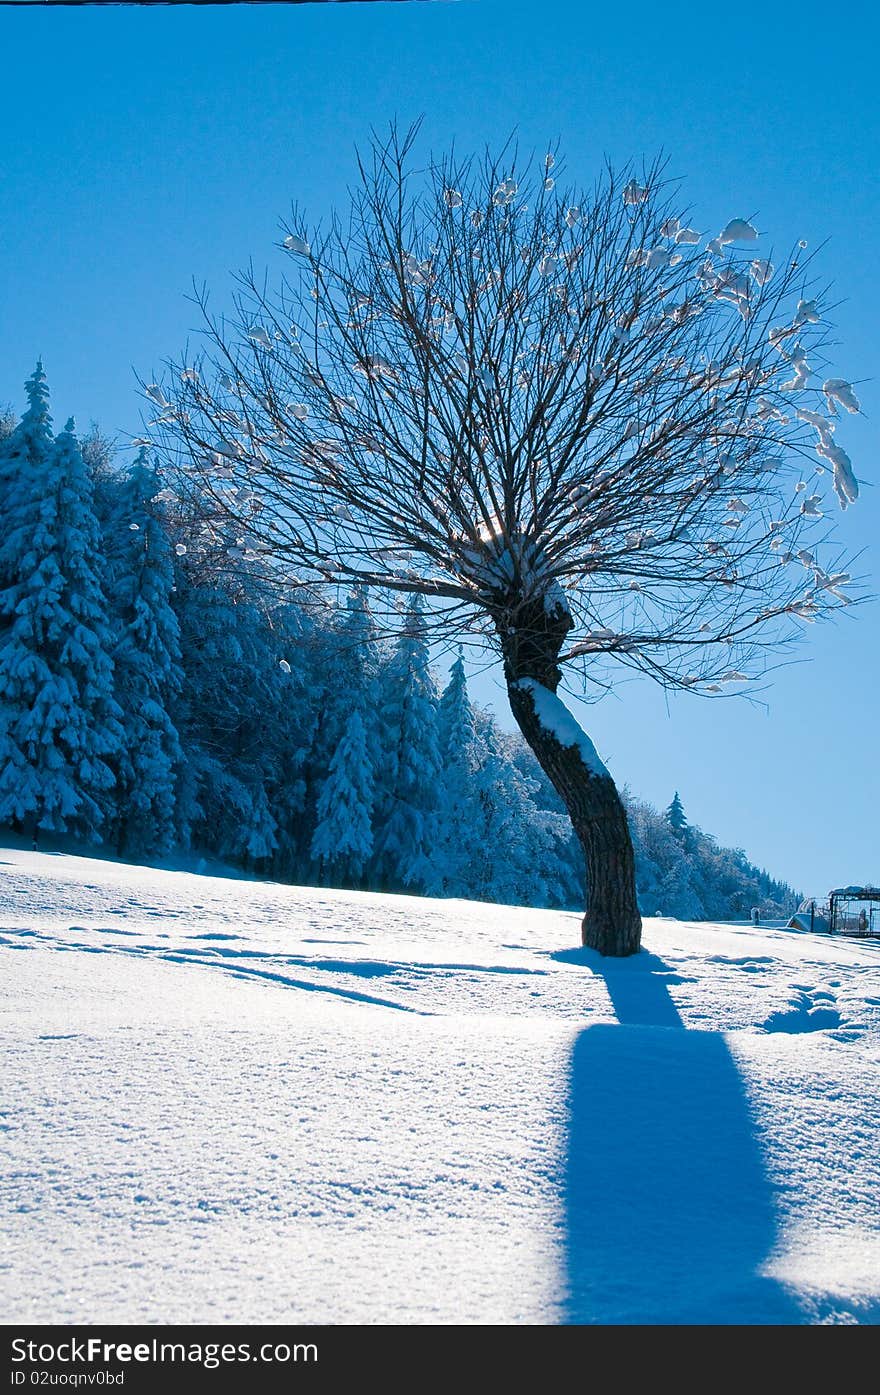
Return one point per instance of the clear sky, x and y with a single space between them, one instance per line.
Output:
142 146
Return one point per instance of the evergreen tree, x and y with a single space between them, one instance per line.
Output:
357 661
458 798
230 738
292 715
406 823
675 817
147 663
59 722
98 452
455 723
667 878
260 827
343 839
353 657
346 671
506 817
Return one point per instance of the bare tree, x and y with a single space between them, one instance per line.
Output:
584 433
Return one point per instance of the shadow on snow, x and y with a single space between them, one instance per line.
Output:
669 1214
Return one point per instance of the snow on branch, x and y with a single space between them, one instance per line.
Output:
522 398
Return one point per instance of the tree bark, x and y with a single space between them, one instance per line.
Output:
611 924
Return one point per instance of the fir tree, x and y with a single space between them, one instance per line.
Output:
233 697
530 871
59 722
357 653
98 452
147 662
292 715
459 760
675 817
346 671
456 726
406 824
343 838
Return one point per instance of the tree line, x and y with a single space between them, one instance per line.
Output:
162 689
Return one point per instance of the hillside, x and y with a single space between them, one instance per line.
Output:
241 1101
307 739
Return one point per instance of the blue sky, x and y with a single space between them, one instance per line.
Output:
145 146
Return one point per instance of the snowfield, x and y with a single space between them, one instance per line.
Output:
233 1101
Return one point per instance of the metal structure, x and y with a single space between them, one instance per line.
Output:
855 910
849 910
811 915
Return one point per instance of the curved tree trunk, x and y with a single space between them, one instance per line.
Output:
612 924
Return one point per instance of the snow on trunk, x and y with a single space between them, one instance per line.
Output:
559 723
612 924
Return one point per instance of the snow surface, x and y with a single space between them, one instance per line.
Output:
555 718
237 1101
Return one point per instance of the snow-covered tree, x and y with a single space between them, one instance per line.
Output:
456 725
146 657
505 816
675 817
234 702
355 657
345 675
408 779
667 880
59 722
343 838
587 434
293 716
460 755
99 453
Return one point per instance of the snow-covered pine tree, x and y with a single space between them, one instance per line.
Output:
459 759
345 670
59 722
675 817
677 893
233 695
343 838
664 867
530 872
99 451
292 720
407 807
456 726
147 662
357 662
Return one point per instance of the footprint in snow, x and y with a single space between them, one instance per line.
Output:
806 1014
215 936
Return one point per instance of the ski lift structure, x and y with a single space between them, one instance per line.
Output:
848 910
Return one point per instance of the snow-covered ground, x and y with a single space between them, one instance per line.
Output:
235 1101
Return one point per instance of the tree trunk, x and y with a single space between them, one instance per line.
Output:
612 924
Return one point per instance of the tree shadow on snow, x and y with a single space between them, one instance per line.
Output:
669 1213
